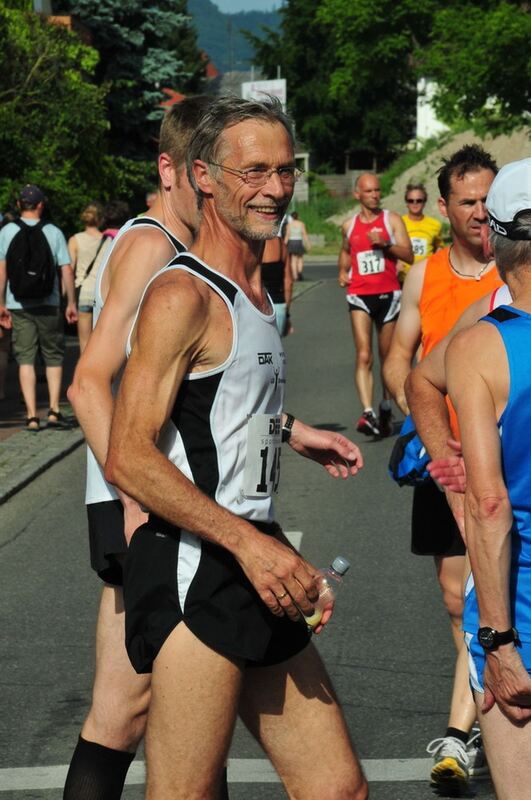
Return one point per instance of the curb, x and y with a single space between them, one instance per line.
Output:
25 455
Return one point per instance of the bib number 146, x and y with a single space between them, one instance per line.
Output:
262 463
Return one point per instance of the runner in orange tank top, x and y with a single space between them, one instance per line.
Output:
435 293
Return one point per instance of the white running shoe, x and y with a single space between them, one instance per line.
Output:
477 760
451 764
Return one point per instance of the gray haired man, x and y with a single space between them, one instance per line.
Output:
211 585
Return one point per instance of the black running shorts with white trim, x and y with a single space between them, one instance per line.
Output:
107 540
381 308
172 576
434 531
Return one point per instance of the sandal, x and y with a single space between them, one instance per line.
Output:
33 424
57 420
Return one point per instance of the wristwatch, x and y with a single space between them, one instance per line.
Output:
491 639
286 428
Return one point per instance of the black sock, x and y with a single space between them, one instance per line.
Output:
223 788
457 734
96 772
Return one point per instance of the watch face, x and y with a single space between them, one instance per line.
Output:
486 637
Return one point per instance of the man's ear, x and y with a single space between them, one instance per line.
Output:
441 202
166 171
202 176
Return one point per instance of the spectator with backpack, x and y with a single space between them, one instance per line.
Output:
31 253
84 248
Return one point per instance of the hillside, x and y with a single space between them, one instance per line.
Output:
503 148
219 34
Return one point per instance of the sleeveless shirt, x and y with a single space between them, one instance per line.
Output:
372 270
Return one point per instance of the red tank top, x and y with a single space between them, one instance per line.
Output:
372 271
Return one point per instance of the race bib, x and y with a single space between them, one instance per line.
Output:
262 463
370 262
419 245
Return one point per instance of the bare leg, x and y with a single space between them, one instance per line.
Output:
362 331
293 267
292 710
120 700
54 376
28 383
84 329
385 334
195 694
5 340
507 747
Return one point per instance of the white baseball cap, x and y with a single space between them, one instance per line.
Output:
509 195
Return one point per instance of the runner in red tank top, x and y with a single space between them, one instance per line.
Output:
374 240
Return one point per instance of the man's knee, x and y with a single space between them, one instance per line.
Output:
364 358
118 719
453 601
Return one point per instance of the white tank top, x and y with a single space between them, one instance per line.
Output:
97 489
224 432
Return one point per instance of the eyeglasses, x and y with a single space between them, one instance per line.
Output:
259 176
416 202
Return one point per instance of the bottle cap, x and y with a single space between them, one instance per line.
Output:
340 565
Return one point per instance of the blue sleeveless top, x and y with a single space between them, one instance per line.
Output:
514 327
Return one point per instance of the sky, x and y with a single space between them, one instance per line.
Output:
232 6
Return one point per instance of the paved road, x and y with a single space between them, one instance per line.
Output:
388 650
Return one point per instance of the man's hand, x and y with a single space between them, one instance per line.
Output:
375 237
71 313
343 278
134 517
450 471
5 318
339 456
507 684
284 581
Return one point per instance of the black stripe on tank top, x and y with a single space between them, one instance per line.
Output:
154 223
191 417
187 260
502 314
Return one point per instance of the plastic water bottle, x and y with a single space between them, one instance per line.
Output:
328 580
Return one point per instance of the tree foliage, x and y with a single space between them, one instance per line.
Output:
352 68
144 47
480 56
52 117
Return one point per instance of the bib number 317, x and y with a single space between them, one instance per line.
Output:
262 463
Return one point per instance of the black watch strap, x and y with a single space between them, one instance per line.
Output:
286 428
490 639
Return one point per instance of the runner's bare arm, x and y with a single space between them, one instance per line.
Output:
426 391
173 332
5 315
136 259
344 257
406 336
478 385
402 248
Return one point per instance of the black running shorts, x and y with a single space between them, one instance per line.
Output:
107 540
171 576
434 531
381 308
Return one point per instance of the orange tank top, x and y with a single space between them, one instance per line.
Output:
445 296
443 299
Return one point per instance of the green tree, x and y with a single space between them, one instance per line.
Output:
143 47
52 116
479 55
304 50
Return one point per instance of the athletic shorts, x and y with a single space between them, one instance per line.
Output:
107 540
295 247
381 308
434 531
477 658
172 576
35 328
